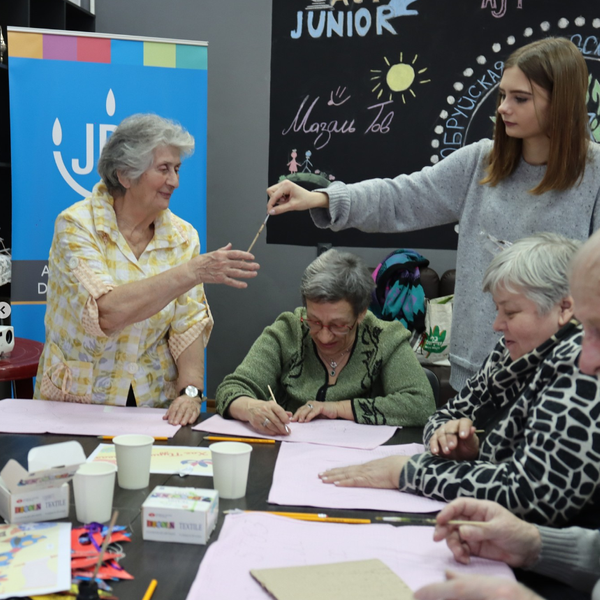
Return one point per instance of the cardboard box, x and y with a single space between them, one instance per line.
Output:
42 492
180 514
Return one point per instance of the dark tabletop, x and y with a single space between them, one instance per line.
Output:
175 565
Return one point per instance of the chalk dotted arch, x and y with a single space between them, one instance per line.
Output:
441 130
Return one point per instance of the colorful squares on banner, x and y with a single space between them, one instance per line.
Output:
25 45
192 57
127 52
105 50
92 49
60 47
159 54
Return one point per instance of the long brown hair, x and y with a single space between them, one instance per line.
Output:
556 65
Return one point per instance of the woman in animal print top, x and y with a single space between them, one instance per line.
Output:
539 452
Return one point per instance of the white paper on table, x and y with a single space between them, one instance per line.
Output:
296 480
168 460
326 432
70 418
42 565
259 541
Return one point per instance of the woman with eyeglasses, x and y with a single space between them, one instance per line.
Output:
331 358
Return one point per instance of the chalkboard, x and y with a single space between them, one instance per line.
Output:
367 88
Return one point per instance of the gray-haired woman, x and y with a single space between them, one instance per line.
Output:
331 358
127 319
539 449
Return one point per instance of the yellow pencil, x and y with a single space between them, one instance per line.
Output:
309 517
214 438
112 437
150 590
275 400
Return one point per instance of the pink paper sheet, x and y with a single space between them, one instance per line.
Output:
325 432
258 541
296 481
68 418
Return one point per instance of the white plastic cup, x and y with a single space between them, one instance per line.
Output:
134 453
230 462
93 487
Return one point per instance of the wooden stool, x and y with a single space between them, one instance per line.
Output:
20 367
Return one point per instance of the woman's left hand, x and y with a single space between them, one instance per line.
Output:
380 473
183 411
314 409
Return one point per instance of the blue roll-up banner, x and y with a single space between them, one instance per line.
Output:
68 92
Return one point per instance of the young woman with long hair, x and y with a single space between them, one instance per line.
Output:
540 173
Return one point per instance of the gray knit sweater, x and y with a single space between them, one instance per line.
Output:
450 191
571 555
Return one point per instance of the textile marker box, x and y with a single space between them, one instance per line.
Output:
178 514
42 492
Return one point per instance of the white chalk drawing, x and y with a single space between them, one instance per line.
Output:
499 6
480 83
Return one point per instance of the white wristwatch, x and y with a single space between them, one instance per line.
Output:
191 391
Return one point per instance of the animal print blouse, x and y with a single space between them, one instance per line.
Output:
540 456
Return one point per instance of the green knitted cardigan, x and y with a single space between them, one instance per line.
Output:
382 378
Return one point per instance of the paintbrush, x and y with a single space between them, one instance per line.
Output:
259 232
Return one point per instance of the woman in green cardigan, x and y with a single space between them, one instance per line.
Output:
329 359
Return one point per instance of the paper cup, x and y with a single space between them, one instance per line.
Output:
93 487
134 453
230 462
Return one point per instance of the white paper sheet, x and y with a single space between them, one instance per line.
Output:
258 541
296 480
327 432
68 418
35 558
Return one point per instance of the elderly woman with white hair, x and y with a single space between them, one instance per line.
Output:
331 359
127 319
524 431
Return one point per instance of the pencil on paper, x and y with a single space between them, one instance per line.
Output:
259 232
275 400
320 517
425 521
214 438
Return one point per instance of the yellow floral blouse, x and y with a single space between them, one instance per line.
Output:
88 258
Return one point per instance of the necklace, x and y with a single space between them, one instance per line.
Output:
334 364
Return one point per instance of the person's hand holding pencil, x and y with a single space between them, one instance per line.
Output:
267 417
498 535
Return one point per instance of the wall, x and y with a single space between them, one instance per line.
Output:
239 34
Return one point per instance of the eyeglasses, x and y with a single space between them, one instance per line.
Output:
316 326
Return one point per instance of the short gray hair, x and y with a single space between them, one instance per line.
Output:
130 149
536 266
336 276
587 259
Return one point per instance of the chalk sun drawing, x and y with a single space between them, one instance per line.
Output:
397 78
